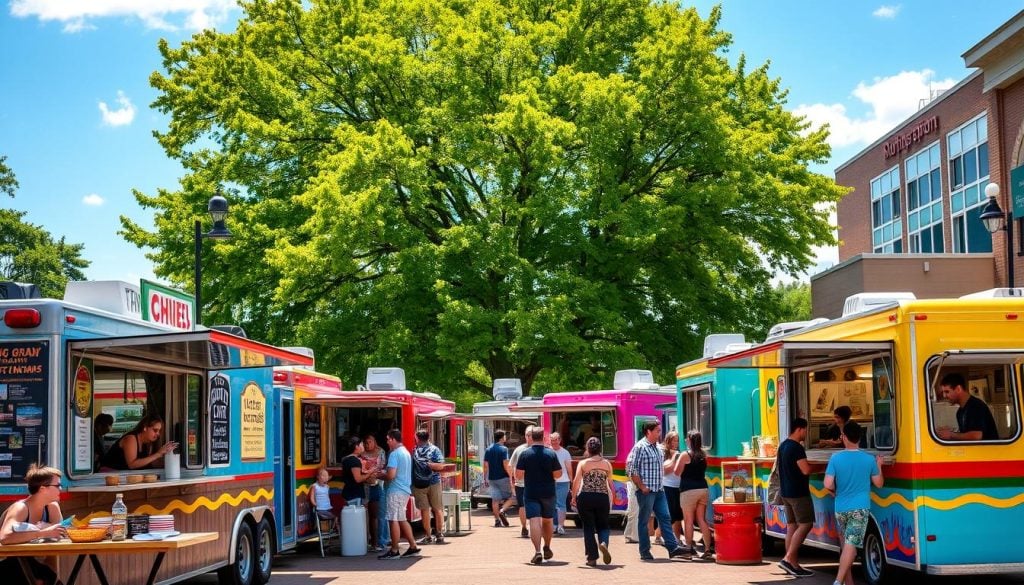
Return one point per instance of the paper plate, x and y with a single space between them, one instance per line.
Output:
157 536
165 534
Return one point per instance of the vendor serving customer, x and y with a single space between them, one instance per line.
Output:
834 434
136 449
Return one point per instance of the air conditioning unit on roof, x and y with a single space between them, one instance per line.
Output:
867 301
781 329
716 342
385 379
507 389
634 380
997 293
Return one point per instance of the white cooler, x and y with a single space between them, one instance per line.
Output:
353 531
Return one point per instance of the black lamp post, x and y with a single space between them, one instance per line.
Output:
994 219
218 208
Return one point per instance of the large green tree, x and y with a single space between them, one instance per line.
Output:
28 253
547 190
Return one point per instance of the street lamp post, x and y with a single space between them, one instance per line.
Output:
218 208
994 219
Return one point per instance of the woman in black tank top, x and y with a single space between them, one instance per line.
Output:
135 449
693 491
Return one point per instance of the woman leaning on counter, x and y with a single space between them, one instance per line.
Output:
37 516
136 448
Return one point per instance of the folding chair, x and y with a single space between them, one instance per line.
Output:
327 527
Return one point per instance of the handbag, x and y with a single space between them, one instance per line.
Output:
775 485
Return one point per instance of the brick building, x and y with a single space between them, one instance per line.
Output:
912 220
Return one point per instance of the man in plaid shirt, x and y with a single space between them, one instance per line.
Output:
644 468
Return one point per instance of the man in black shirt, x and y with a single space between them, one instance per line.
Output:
974 419
538 467
795 489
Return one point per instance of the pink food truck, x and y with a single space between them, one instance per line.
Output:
615 416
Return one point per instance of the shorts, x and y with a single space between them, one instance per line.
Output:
561 495
326 514
428 498
501 489
690 500
540 507
675 512
11 567
397 502
853 525
520 496
799 509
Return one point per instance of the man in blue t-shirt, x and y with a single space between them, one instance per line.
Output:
849 476
498 479
538 467
399 477
794 487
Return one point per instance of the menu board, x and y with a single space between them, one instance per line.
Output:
24 380
310 434
220 420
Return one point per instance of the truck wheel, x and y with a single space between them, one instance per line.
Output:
243 570
265 543
876 567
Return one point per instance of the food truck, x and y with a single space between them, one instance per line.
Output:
490 416
615 416
60 360
947 507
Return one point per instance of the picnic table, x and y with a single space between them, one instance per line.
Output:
104 547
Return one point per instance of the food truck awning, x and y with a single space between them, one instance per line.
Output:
578 407
525 416
799 355
355 401
437 414
206 350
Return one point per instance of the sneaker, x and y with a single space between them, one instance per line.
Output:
658 540
605 555
425 540
390 555
647 557
802 572
547 553
560 531
525 533
591 563
707 555
681 553
631 540
438 539
503 518
412 552
497 523
376 549
787 567
537 559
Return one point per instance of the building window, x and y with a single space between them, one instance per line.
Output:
968 175
886 220
924 201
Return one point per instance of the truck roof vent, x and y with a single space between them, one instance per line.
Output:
733 348
997 293
780 329
18 291
235 330
507 389
634 380
306 351
867 301
385 379
716 342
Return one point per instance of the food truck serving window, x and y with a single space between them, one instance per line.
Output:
576 427
973 397
697 408
359 422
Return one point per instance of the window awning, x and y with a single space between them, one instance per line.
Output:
799 355
438 414
205 350
523 416
581 407
355 401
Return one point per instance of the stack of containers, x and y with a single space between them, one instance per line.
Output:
161 523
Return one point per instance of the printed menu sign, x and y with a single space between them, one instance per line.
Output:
310 434
24 380
220 420
254 423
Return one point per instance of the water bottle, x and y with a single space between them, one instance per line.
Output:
119 520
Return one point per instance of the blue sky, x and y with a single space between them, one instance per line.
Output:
76 125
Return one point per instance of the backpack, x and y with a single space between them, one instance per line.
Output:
421 472
775 485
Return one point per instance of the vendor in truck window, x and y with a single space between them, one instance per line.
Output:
136 449
841 420
974 419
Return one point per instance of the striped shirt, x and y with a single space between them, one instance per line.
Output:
645 460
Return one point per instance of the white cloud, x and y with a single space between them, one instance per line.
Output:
121 116
890 100
886 12
154 14
93 200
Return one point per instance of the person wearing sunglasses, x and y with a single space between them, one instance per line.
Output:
37 516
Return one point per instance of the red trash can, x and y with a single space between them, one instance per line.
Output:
738 531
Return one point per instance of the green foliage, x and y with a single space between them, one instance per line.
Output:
794 301
542 190
28 253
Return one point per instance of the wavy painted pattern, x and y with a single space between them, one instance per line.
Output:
928 501
201 502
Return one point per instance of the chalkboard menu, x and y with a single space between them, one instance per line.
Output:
220 420
24 378
310 434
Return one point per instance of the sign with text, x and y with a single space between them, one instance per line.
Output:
81 402
220 420
310 434
1017 191
254 423
167 306
24 381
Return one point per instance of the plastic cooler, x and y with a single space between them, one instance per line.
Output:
738 529
353 531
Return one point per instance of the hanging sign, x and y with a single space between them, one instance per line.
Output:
254 423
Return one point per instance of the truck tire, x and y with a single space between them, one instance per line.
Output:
876 567
243 570
265 548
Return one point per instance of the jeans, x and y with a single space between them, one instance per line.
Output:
561 495
631 511
593 508
376 493
654 503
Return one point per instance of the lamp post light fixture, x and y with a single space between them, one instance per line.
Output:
218 208
995 220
